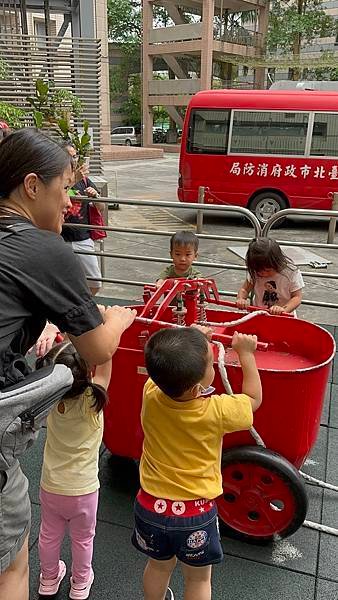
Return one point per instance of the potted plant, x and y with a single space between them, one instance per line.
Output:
56 108
81 140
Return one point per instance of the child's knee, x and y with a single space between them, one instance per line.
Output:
164 566
196 574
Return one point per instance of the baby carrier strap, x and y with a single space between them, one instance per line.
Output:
25 406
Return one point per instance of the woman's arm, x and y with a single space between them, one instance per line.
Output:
98 345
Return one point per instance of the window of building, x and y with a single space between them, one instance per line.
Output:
325 135
208 131
40 31
265 132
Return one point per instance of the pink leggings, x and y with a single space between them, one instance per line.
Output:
78 514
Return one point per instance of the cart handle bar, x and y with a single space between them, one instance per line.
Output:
225 339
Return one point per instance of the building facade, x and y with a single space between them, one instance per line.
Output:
196 47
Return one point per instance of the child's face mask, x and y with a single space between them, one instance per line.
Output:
206 391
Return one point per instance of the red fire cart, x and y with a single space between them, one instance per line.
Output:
263 491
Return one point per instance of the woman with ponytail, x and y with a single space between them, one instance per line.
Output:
69 480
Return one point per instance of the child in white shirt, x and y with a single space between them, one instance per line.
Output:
274 279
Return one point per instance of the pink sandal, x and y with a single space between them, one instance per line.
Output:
50 587
81 591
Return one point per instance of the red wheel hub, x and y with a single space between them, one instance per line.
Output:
256 500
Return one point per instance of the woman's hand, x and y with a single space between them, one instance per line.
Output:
121 315
91 192
81 172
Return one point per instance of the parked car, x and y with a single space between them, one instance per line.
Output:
126 136
159 135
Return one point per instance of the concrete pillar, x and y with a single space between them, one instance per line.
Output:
262 27
147 75
207 43
102 34
89 20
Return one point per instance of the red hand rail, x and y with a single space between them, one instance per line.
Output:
225 339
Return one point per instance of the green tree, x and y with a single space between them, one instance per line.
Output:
125 20
296 23
125 28
323 73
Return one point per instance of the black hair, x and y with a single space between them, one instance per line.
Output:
29 151
65 354
266 253
184 238
5 133
176 359
64 144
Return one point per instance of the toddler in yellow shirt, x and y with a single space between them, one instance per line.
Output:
175 510
69 480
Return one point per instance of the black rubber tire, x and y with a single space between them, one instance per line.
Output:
275 199
127 143
278 465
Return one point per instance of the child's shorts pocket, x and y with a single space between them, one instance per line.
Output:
151 540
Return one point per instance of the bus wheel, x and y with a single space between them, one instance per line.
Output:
266 204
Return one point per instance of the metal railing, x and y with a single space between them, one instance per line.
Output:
241 36
217 265
103 255
301 212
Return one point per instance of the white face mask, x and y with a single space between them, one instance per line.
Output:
206 391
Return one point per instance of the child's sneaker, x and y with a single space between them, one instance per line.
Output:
81 591
50 587
169 595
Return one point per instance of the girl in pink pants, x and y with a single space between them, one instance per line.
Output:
69 480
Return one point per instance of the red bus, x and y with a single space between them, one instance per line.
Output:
262 149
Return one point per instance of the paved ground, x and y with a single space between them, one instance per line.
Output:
302 568
157 180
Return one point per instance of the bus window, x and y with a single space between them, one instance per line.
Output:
325 135
208 131
269 132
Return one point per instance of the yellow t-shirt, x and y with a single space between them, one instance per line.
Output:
71 454
182 447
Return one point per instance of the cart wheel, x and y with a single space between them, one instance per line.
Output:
263 495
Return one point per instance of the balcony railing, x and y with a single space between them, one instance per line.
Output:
241 36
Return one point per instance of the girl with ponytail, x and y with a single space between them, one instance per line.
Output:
69 481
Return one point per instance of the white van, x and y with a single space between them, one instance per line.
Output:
126 136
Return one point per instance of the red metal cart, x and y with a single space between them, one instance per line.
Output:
263 492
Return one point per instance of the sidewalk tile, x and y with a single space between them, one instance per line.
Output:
326 590
119 485
324 420
333 418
